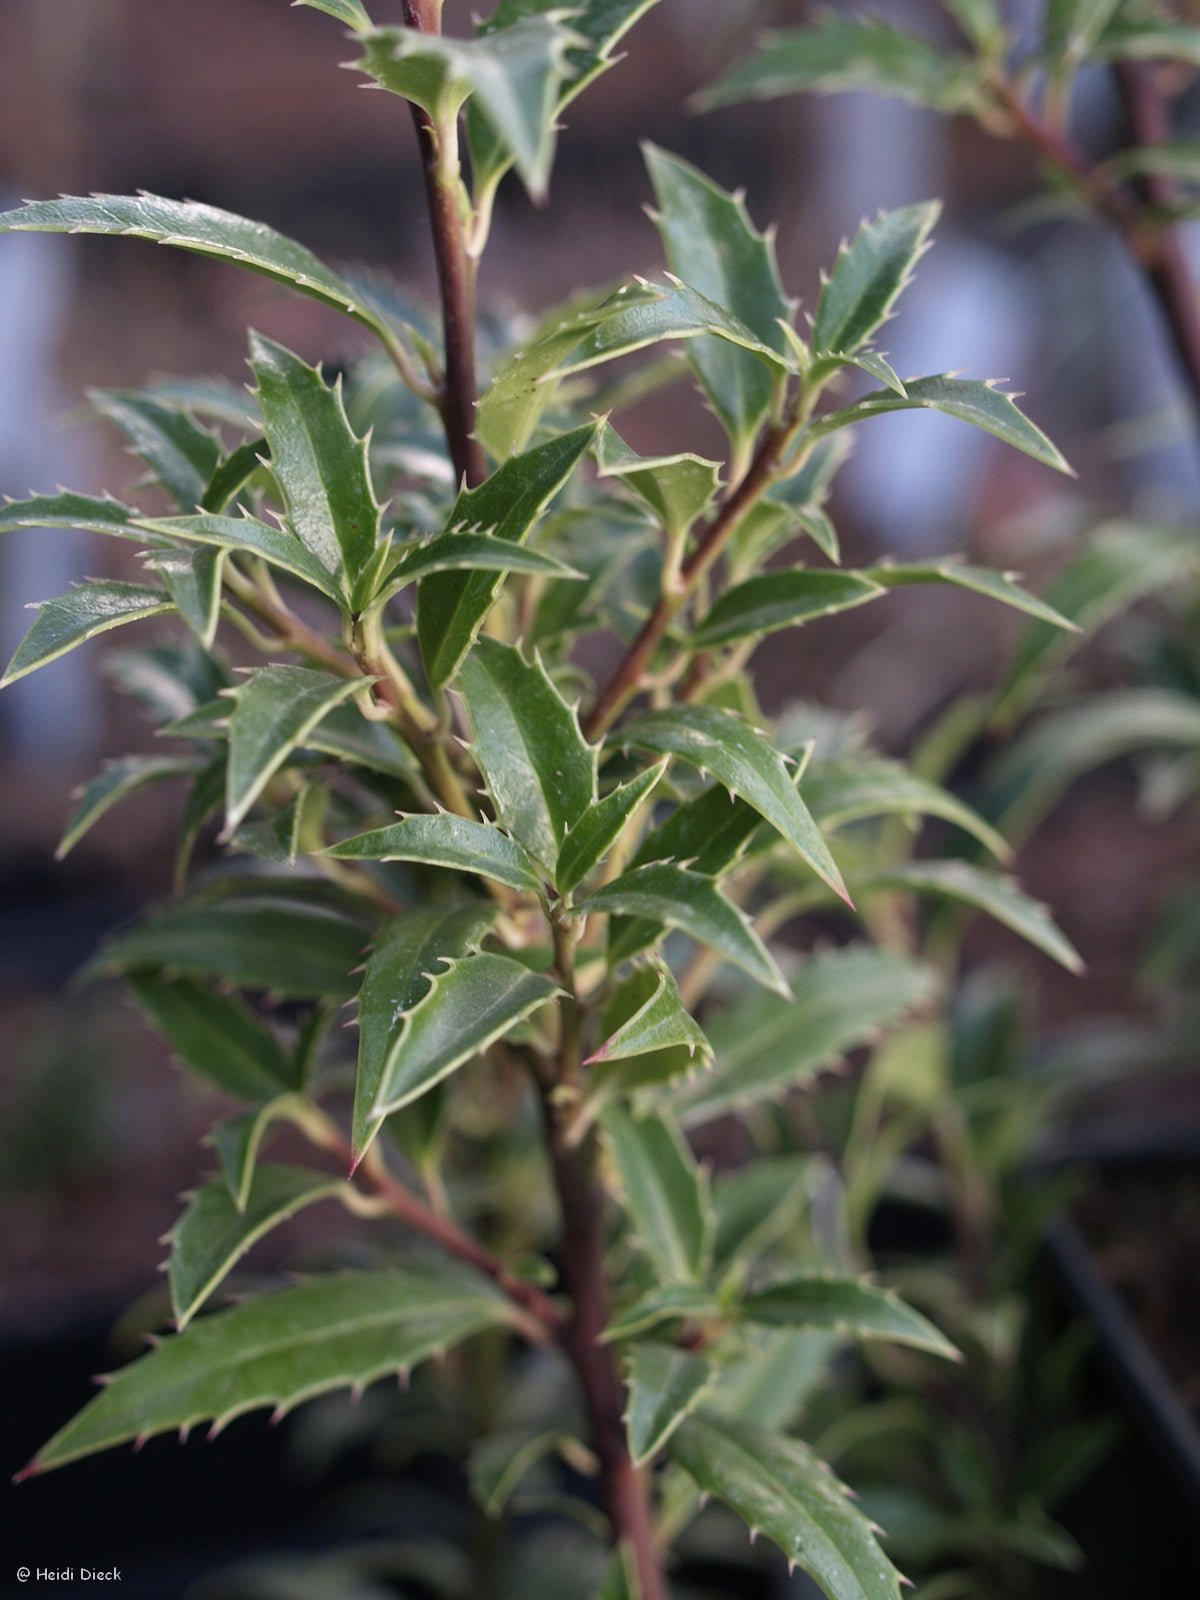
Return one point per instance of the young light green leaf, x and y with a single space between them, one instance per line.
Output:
214 1034
469 552
665 1386
844 1305
600 826
677 489
841 792
765 1047
180 453
508 505
968 399
654 1020
449 841
89 513
999 896
406 957
333 1333
665 1193
213 1234
238 1139
716 741
782 599
352 12
539 769
670 1302
114 781
983 580
468 1006
321 466
672 896
80 614
870 276
193 580
274 711
276 546
712 244
779 1487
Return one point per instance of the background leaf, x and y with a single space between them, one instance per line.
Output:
665 1192
216 1035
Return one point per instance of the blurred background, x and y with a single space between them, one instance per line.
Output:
240 103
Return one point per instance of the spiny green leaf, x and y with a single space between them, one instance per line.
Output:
665 1386
468 1006
874 365
678 488
665 1193
320 464
980 404
216 1035
91 513
181 454
233 473
276 546
775 600
982 580
712 244
539 769
193 580
237 1141
779 1487
671 1302
73 618
870 276
840 792
469 552
845 1305
213 1234
406 957
765 1046
281 1349
348 735
655 1020
274 711
716 741
508 505
449 841
600 826
112 784
673 896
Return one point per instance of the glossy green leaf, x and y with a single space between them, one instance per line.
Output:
765 1047
181 454
677 898
669 1302
844 1305
214 1034
193 580
289 948
981 580
233 472
874 365
712 244
665 1386
665 1193
743 760
600 826
968 399
90 513
677 489
992 892
80 614
352 12
655 1020
114 781
539 769
507 506
780 1488
775 600
841 792
213 1235
407 955
276 546
870 276
280 1349
449 841
237 1141
470 552
469 1004
274 711
321 466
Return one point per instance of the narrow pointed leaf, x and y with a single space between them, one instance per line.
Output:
507 506
870 276
216 1035
79 615
841 792
181 455
874 365
449 841
539 769
213 1235
677 489
276 546
320 464
775 600
237 1141
844 1305
468 1006
676 898
655 1020
233 473
968 399
193 580
765 1047
600 826
670 1302
274 711
281 1349
406 957
112 784
91 513
718 742
666 1195
470 552
981 580
665 1386
780 1488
